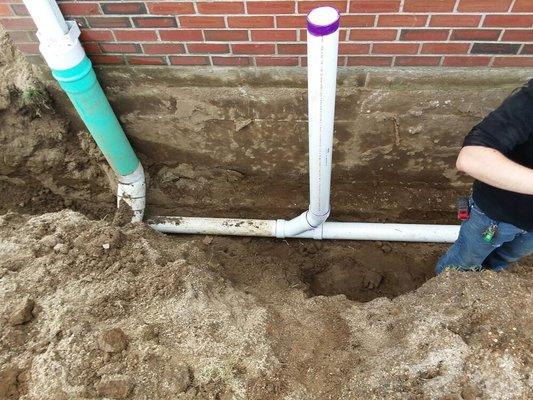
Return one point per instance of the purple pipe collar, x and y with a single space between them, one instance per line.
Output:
323 30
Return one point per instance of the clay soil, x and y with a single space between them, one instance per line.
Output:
95 308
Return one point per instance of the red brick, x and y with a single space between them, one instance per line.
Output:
369 61
138 35
92 48
518 35
277 61
189 60
163 48
417 61
171 8
29 48
353 48
95 35
220 35
445 48
292 21
278 35
18 24
292 48
483 5
181 34
123 8
457 61
20 37
106 59
210 48
154 22
79 8
4 10
513 62
233 61
109 22
202 22
373 35
305 6
349 21
428 5
402 20
251 22
146 60
219 7
120 47
475 34
453 20
253 48
523 6
495 48
519 21
395 48
424 34
270 7
374 6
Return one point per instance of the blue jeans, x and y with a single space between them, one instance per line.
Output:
472 252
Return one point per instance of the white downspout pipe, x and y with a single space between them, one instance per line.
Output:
322 50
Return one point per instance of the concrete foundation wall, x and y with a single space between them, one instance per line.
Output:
399 129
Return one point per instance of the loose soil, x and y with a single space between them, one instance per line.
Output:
92 308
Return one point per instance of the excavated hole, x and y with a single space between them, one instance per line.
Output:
362 271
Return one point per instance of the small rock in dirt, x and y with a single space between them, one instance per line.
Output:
22 312
242 123
106 246
8 382
207 240
386 248
116 387
372 280
149 332
113 340
61 248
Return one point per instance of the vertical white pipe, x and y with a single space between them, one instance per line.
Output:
48 18
322 51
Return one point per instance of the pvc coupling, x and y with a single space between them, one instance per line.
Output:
132 190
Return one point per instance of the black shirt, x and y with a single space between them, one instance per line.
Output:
508 129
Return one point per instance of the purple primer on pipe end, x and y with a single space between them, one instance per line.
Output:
323 30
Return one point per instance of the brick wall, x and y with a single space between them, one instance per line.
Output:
449 33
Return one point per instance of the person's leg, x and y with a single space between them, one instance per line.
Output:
470 249
509 252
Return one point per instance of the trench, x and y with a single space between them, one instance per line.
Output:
361 271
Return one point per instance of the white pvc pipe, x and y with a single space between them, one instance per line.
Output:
48 18
328 230
322 50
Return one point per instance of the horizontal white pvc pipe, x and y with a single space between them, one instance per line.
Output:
328 230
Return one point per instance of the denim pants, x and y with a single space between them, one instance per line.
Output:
472 252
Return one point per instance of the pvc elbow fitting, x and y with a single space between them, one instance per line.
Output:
132 190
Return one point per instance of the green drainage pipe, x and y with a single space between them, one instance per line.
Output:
88 98
62 50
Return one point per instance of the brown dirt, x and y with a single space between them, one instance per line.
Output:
98 309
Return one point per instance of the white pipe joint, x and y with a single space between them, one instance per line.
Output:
58 39
132 190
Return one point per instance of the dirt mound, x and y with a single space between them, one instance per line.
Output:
43 165
93 310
